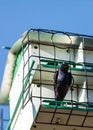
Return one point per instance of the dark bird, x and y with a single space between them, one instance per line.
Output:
62 82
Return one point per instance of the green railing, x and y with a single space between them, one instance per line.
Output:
50 63
81 106
20 97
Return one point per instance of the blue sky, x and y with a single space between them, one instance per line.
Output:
17 16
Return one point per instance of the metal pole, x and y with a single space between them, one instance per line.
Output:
1 119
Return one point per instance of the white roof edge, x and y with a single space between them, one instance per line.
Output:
8 72
7 78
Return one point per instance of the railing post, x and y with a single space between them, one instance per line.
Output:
1 119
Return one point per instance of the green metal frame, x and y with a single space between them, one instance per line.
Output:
20 97
49 63
73 105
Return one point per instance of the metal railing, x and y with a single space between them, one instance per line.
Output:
4 118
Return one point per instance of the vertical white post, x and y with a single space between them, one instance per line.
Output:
80 54
83 93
